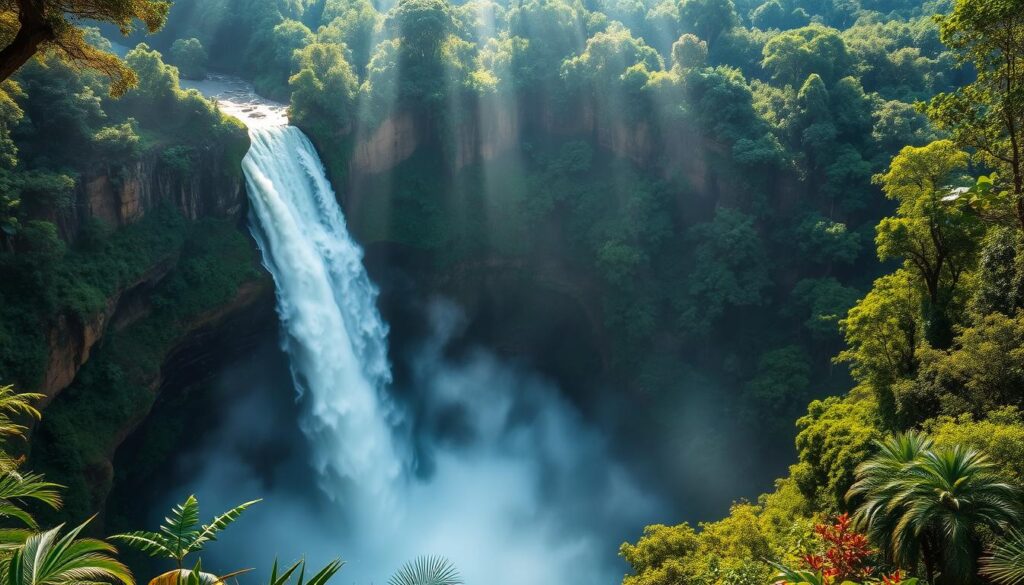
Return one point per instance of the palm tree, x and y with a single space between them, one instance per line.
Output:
182 534
15 490
434 570
924 504
1005 564
13 406
875 488
46 558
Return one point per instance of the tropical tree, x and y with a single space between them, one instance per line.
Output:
47 558
938 241
14 404
709 19
422 28
30 26
876 476
689 52
189 56
987 115
882 333
17 489
181 534
792 56
428 570
324 87
921 504
730 269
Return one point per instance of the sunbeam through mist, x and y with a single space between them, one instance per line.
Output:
484 463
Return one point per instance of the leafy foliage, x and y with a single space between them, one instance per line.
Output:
182 534
190 58
31 27
924 503
987 114
937 240
47 558
730 269
1005 565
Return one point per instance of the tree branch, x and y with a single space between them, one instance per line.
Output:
33 30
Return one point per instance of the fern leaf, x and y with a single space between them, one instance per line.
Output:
151 543
219 523
180 526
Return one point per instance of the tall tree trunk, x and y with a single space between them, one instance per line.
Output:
929 561
32 32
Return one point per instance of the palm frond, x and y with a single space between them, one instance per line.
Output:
1005 564
14 404
46 558
427 570
196 576
282 579
912 491
16 488
29 486
12 538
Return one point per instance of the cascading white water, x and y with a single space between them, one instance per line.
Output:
334 336
524 491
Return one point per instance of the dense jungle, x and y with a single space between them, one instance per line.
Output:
431 292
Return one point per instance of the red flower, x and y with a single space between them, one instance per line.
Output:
846 552
893 579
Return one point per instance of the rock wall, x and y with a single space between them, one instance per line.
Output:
492 128
71 338
494 124
117 197
386 146
211 339
120 195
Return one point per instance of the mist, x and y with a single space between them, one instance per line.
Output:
510 483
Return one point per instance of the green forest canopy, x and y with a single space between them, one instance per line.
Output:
849 132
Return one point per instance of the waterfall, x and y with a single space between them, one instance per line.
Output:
509 481
332 332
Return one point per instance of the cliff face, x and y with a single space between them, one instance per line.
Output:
386 146
117 197
493 125
71 338
209 341
194 299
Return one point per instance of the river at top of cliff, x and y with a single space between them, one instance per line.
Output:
237 97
